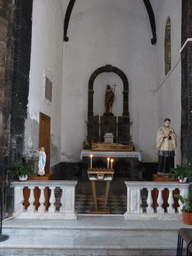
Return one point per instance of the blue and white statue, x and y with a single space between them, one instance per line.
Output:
42 162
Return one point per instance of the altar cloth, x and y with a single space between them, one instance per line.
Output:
123 154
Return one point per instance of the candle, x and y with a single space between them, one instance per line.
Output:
111 163
91 156
99 115
107 163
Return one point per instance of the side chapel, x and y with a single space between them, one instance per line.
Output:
57 57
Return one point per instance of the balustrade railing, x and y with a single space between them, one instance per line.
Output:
37 199
154 197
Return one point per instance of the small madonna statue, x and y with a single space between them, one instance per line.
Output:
42 162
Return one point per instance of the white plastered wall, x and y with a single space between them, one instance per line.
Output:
116 33
169 86
46 60
100 33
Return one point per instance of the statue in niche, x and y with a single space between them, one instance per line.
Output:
42 162
166 143
109 99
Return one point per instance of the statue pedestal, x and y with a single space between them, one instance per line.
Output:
47 176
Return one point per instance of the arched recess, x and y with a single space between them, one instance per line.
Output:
121 74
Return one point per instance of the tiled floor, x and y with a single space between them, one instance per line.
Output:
116 203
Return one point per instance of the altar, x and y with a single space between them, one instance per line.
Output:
89 156
108 129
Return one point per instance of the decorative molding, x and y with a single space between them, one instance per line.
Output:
121 74
152 20
67 18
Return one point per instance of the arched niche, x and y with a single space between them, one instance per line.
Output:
121 74
98 126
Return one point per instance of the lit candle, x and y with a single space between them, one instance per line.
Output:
107 163
111 163
91 156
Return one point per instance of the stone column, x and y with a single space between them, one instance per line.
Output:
186 88
6 74
22 51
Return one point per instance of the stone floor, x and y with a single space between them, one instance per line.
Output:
90 235
117 199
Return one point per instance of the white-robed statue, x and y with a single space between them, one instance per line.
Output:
166 143
42 162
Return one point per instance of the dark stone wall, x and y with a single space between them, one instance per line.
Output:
20 87
6 72
186 88
15 47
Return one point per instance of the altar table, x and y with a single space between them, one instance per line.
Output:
132 156
114 154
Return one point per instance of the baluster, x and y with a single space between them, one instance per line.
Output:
62 208
52 207
31 207
41 208
21 206
160 201
140 203
170 209
182 193
150 201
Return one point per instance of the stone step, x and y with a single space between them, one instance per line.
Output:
90 235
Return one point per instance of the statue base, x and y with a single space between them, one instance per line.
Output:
41 175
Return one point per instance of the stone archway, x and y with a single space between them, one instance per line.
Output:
121 74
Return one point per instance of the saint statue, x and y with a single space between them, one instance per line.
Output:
42 162
166 143
109 99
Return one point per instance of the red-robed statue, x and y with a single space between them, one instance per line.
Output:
109 99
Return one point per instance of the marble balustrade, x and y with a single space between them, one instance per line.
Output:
67 200
135 198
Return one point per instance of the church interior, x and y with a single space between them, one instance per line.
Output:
91 82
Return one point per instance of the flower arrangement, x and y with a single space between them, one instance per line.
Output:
30 156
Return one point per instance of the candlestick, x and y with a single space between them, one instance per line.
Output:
99 125
91 156
107 163
117 130
111 163
87 114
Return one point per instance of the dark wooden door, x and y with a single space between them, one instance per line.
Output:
44 137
